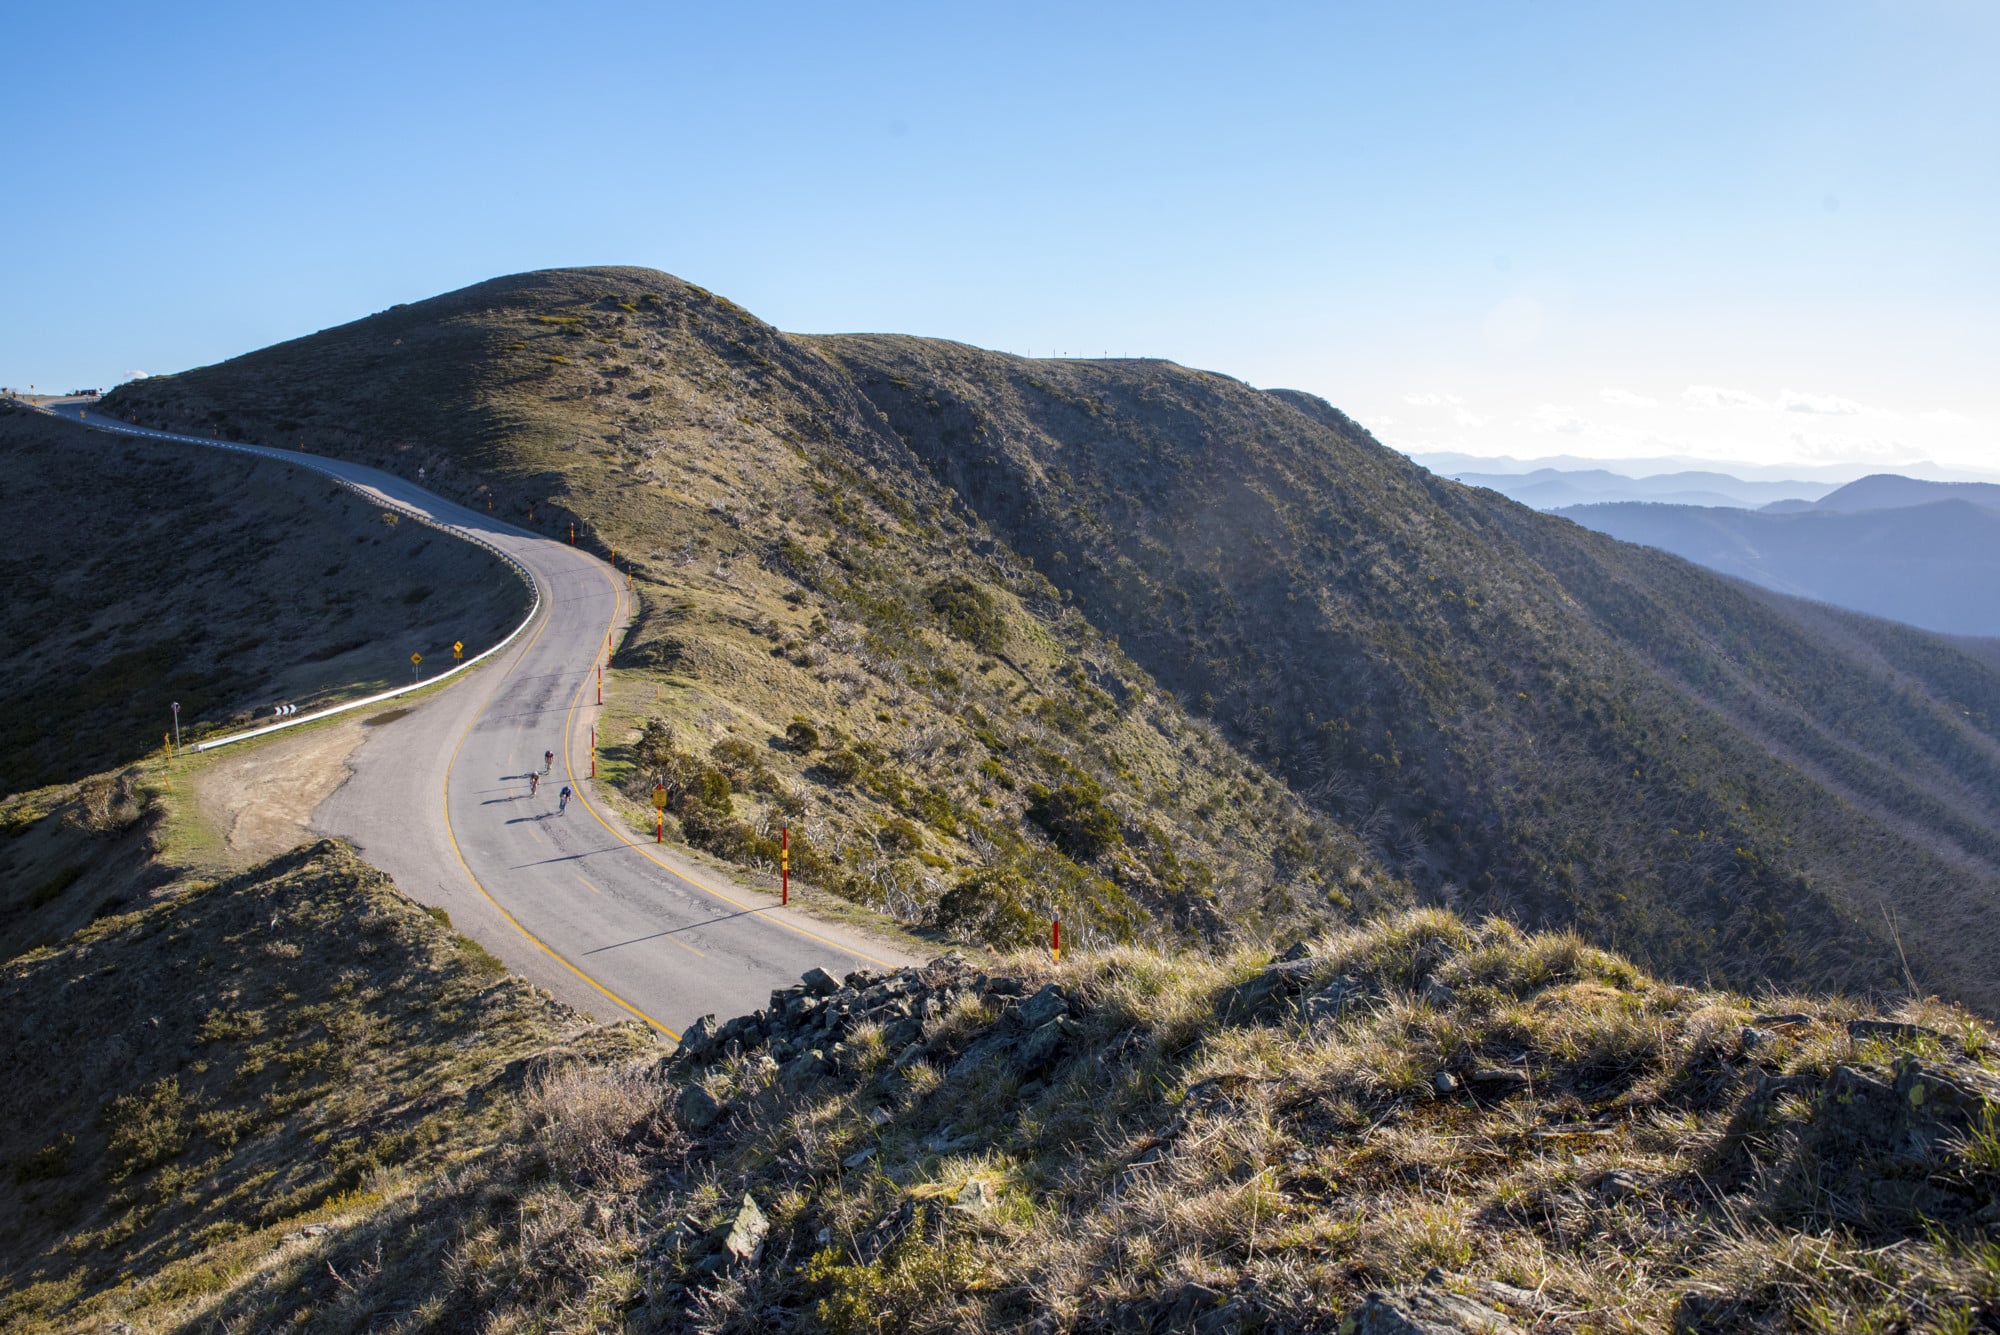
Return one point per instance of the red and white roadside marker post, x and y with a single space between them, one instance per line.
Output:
593 750
784 864
1055 939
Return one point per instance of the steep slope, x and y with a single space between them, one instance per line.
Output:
1936 565
141 574
257 1092
973 574
1527 717
826 641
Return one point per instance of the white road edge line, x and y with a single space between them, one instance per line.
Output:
304 460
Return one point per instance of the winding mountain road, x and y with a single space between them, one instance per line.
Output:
573 901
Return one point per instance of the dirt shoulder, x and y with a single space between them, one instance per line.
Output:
261 800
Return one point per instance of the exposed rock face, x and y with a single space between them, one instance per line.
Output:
747 1233
1044 1006
698 1108
1264 995
806 1029
1887 1149
1428 1310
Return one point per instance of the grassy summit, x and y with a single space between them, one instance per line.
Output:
1163 653
825 641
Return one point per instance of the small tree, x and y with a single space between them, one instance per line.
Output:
969 612
1076 818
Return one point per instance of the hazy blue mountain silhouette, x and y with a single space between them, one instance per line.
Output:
1892 491
1554 488
1932 564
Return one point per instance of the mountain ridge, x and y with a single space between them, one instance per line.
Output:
1887 491
1508 714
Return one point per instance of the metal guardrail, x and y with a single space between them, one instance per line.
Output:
305 460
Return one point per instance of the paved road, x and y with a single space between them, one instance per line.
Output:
572 900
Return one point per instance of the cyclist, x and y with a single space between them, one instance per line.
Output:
534 781
562 800
548 761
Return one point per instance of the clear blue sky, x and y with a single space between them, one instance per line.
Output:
1744 230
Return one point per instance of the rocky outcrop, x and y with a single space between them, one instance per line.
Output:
1885 1144
807 1029
1428 1311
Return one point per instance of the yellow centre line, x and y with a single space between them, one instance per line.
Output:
588 886
478 885
569 720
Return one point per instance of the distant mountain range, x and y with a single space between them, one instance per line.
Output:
1555 488
1451 463
1891 491
1923 553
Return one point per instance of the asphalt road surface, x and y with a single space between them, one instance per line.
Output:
572 900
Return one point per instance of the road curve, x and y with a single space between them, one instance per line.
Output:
572 900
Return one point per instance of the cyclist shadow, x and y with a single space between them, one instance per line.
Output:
539 816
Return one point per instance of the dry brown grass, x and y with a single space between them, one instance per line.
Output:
1182 1155
1298 1164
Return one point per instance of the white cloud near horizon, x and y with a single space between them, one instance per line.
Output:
1827 405
1840 449
1716 396
1788 400
1770 429
1558 419
1461 415
1625 398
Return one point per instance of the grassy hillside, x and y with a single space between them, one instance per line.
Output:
1522 716
141 574
1152 649
293 1099
248 1096
826 639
